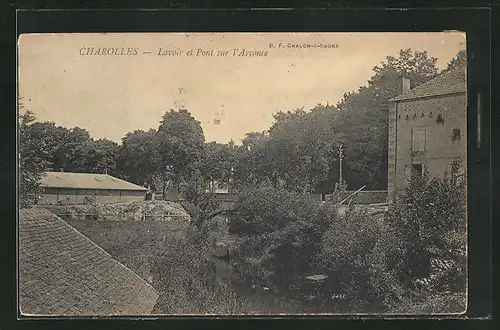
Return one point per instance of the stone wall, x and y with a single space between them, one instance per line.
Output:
440 148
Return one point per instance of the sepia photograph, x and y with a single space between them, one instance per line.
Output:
242 174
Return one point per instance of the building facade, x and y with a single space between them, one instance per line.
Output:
80 188
427 129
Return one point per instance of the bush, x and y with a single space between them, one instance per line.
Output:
346 257
407 260
429 223
420 259
401 262
441 303
268 209
199 204
279 233
183 274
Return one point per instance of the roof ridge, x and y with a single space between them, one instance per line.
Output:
87 173
439 75
446 89
78 180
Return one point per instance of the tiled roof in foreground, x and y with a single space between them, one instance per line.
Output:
86 181
62 272
446 83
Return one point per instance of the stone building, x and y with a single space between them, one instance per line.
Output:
427 128
78 188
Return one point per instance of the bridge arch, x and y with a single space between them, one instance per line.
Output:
224 210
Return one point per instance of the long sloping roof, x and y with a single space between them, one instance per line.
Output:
62 272
86 181
449 82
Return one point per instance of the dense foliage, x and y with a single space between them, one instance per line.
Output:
71 150
138 159
279 233
180 143
185 276
409 258
218 163
429 223
31 162
298 152
413 257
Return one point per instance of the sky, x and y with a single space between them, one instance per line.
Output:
64 78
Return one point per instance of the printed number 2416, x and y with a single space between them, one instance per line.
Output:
339 296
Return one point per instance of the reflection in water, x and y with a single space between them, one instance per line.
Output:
259 298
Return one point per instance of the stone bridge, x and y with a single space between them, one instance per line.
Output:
228 200
228 204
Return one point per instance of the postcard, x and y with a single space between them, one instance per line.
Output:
242 174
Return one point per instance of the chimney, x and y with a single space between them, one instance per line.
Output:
405 86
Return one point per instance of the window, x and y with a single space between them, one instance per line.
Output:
439 119
416 170
418 139
455 134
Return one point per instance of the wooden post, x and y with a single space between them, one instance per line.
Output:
352 194
341 157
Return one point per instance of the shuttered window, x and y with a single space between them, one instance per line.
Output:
418 139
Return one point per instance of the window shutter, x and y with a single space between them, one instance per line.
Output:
411 139
425 141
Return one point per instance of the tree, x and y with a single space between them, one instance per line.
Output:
416 65
279 233
298 152
179 142
460 60
218 164
73 150
138 159
252 167
31 160
52 139
102 156
364 117
282 117
253 140
304 147
76 150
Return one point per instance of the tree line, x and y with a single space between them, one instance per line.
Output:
298 152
